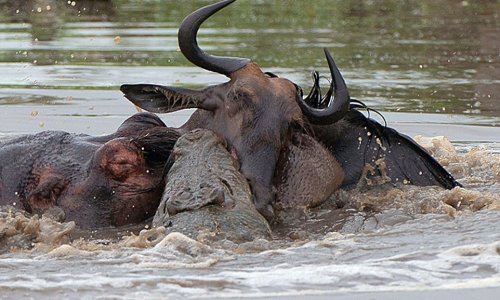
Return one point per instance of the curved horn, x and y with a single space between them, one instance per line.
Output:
337 106
190 49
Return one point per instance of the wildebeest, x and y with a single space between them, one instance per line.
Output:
285 143
257 113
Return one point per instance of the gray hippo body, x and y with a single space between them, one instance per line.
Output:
206 195
118 179
115 179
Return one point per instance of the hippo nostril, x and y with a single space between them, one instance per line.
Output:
183 194
171 208
227 185
179 201
217 196
210 195
194 135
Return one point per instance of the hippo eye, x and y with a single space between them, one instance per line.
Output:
101 194
272 75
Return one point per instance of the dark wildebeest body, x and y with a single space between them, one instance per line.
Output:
357 142
258 113
97 181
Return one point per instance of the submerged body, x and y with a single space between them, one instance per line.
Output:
205 194
97 181
306 174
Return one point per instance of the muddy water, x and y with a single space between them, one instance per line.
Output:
430 71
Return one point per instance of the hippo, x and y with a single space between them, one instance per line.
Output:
258 114
205 194
110 180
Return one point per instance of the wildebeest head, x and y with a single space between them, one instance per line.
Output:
254 111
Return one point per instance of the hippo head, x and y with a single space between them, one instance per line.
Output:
254 111
119 179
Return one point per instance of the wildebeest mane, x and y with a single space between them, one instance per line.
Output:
366 142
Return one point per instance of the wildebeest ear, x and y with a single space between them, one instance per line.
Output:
163 99
360 141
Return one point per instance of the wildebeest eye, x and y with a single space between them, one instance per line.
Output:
241 95
235 101
272 75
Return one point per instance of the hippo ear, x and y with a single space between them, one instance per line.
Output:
122 158
163 99
119 159
156 145
139 122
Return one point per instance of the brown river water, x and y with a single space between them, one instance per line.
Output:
431 68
